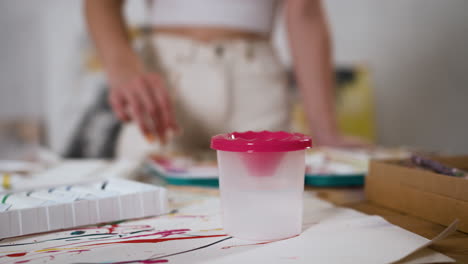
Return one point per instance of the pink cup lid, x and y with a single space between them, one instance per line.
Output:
263 141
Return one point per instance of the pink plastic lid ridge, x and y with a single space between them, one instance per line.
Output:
263 141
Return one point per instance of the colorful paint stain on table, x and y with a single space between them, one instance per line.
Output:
174 238
56 244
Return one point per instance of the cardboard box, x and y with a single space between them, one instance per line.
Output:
436 197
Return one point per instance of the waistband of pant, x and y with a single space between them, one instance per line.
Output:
172 41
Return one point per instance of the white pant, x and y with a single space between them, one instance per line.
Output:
217 87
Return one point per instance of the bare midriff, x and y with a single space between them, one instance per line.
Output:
208 34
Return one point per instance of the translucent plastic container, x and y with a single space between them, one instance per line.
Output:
261 183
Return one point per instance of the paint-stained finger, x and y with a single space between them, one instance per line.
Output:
157 112
136 111
163 126
149 104
119 105
165 104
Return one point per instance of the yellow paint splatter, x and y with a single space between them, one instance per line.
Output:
6 183
56 249
215 229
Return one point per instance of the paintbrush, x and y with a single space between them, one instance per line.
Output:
437 167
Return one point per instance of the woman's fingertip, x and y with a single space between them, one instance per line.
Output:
170 133
162 139
178 130
150 137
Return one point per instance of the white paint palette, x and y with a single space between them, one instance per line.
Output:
98 202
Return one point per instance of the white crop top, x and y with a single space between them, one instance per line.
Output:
250 15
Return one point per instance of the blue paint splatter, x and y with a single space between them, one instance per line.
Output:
79 232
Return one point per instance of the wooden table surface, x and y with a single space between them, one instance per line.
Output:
455 245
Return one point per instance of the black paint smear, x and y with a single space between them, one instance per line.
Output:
101 237
165 256
101 225
104 185
146 230
174 211
190 250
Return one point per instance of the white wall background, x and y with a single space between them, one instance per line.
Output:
21 59
417 51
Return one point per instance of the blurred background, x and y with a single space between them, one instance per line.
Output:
406 62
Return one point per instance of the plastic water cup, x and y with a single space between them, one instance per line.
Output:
261 177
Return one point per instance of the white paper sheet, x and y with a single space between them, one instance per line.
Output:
194 235
367 239
426 256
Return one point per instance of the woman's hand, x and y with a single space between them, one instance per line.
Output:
135 94
142 97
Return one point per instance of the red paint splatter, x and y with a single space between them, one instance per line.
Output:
165 233
112 228
21 261
15 255
293 258
154 240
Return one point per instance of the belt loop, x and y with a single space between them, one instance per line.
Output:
250 50
219 50
193 49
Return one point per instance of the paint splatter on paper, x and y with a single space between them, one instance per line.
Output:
15 255
150 240
183 236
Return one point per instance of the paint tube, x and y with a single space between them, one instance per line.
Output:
8 181
55 195
4 207
21 201
88 193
